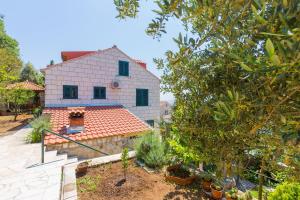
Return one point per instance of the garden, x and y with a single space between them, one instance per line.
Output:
159 172
235 80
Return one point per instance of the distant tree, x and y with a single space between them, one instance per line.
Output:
51 62
10 66
31 74
10 62
16 98
125 161
8 42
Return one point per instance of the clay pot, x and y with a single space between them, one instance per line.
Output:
206 185
82 168
216 194
178 180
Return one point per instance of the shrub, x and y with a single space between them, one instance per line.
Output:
37 112
40 123
286 191
151 150
125 161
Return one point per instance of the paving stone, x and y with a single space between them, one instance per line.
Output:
22 174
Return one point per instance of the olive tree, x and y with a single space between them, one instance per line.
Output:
235 77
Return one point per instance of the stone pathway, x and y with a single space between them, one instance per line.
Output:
22 174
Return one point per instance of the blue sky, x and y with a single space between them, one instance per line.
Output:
45 28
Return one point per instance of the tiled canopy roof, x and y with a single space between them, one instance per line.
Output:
99 121
26 85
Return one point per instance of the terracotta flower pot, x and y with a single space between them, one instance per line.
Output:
178 180
206 185
82 168
216 194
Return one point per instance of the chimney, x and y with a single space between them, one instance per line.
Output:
76 120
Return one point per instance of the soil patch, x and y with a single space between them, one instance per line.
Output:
180 172
107 182
9 126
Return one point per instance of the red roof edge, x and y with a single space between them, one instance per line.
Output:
141 63
68 55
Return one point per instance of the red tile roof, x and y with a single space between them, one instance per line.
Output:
141 63
26 85
68 55
99 121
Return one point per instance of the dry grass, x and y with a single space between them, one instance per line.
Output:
8 124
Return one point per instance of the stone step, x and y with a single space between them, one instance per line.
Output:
50 156
69 189
71 160
38 182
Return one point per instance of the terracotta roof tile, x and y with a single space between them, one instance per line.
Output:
26 85
68 55
100 121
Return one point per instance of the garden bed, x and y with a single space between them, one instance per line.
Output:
106 182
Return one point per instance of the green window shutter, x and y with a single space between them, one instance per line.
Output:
138 97
126 68
70 91
99 93
123 68
145 97
150 122
142 97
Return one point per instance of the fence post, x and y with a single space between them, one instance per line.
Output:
42 145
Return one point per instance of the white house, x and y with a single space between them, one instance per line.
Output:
108 81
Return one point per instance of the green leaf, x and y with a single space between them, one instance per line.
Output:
246 67
230 94
275 60
283 119
285 3
270 47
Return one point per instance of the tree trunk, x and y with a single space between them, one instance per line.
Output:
261 181
125 174
15 114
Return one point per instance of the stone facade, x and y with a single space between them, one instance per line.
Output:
109 145
100 69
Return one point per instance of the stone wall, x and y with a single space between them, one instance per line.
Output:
109 145
100 69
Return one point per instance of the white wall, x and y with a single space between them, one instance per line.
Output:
100 69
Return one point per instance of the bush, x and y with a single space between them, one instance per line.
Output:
37 112
286 191
151 150
40 123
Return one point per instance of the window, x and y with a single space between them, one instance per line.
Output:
150 122
123 68
70 92
99 93
141 97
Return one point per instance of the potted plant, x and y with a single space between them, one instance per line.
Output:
216 191
232 194
206 182
179 175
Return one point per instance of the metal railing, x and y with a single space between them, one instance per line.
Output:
64 137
